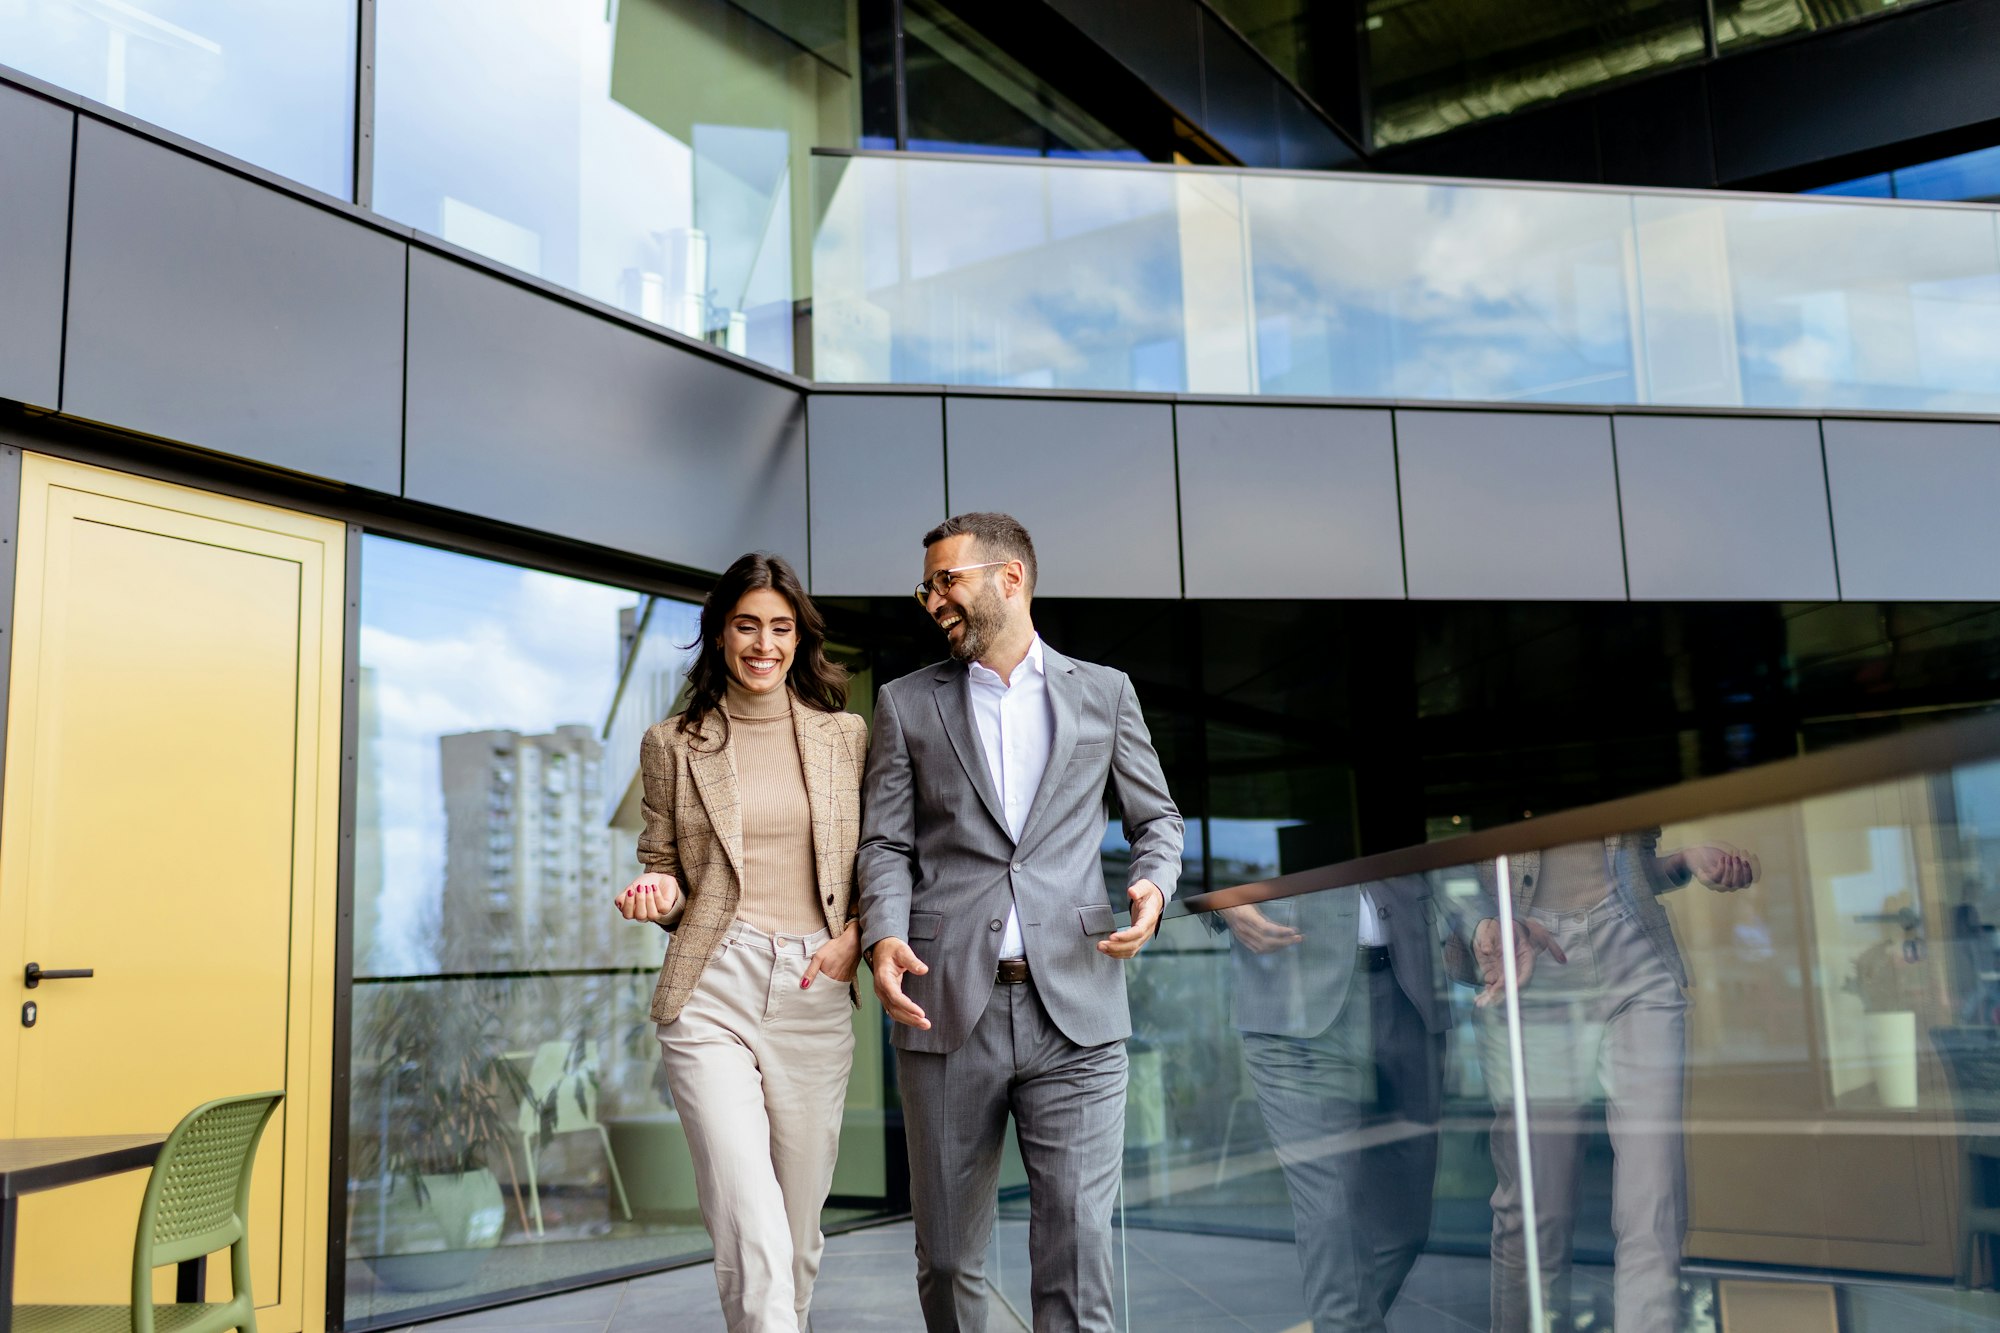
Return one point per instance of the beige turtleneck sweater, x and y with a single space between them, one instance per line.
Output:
780 885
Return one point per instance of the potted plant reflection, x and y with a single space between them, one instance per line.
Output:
448 1113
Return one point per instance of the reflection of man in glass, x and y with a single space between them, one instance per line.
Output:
1604 1010
1343 1032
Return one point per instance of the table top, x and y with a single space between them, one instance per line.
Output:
27 1165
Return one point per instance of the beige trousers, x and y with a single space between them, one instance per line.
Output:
758 1069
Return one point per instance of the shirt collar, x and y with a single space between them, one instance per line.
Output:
987 675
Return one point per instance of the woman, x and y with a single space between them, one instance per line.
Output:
753 807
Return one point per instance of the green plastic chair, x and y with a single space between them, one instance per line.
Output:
197 1201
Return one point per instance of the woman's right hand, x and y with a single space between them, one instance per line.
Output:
650 897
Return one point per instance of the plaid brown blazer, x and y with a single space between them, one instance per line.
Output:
694 831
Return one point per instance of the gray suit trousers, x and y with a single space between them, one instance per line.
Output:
1068 1103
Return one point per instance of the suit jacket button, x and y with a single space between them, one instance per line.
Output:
829 900
1017 867
994 925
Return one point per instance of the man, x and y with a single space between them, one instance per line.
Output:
984 918
1344 1024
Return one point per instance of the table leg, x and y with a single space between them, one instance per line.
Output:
190 1281
7 1220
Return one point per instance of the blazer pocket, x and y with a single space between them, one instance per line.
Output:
1097 918
924 925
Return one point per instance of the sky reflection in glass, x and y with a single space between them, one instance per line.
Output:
272 84
1032 274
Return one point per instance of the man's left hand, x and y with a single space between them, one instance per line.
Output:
1148 901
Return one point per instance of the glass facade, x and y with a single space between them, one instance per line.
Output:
1207 281
1435 65
966 94
271 84
509 1127
642 153
1972 177
1284 1106
1741 23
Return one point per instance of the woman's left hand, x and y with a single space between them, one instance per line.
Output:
837 958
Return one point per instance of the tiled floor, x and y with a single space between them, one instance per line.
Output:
1177 1281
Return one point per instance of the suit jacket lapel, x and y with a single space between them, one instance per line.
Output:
1066 703
714 770
956 712
810 730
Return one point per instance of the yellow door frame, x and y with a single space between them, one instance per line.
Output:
53 490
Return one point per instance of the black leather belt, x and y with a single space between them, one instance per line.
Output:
1011 971
1372 957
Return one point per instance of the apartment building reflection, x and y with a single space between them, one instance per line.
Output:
528 854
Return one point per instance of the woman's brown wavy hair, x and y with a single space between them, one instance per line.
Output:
817 682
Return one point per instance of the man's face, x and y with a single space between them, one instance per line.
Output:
972 612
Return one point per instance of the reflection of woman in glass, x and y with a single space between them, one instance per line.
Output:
1603 1021
753 807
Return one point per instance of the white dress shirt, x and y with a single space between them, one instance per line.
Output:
1016 729
1374 930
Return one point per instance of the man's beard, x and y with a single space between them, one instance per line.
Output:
982 621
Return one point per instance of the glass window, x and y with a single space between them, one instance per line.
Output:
642 153
508 1125
271 84
1971 176
967 95
1740 23
1434 65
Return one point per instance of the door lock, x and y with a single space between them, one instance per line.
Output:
29 1013
35 974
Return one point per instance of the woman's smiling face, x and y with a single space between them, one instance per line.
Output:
759 640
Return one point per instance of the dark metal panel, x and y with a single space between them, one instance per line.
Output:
1240 94
1904 76
1289 502
530 411
1509 506
1093 482
34 236
1656 132
1308 143
1156 39
1913 509
877 487
1553 143
1724 509
209 309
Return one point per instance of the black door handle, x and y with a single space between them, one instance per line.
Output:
36 974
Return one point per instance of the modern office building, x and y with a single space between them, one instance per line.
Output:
1451 414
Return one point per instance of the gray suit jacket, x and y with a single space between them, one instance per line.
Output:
937 868
1301 991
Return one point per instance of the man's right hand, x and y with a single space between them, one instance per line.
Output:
889 960
650 898
1256 932
1530 938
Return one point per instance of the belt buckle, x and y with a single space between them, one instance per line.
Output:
1011 971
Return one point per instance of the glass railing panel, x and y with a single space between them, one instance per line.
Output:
1058 275
1745 1072
1439 291
1306 1121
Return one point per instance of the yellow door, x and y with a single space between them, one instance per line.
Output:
170 821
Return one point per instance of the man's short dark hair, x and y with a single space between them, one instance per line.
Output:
998 536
